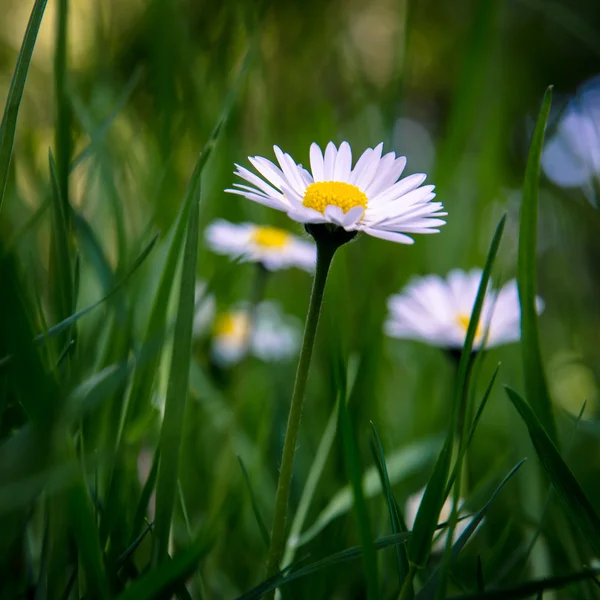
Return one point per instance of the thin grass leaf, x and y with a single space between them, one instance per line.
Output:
15 93
172 428
401 464
536 387
133 546
300 569
529 588
312 481
401 556
428 591
142 507
167 578
264 532
353 470
572 496
66 323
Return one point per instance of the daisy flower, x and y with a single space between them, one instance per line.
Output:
410 514
370 197
273 247
275 336
437 311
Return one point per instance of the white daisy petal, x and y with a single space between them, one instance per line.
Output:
335 214
329 161
316 162
367 174
343 163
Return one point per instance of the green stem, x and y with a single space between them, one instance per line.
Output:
407 590
325 252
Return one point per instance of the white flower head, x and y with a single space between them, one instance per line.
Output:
274 336
410 514
437 311
370 197
273 247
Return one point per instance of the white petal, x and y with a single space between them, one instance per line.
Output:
391 236
364 179
335 214
329 161
343 163
316 162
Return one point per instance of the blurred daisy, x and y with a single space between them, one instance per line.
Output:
437 311
275 336
369 197
410 514
274 248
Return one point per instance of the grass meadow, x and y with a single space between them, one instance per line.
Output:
134 464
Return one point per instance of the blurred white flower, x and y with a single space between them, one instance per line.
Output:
410 514
368 197
571 157
274 336
204 311
273 247
437 311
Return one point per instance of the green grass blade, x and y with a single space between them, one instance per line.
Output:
529 588
401 464
572 496
401 556
165 580
264 532
171 431
15 93
69 321
428 591
300 569
536 387
142 507
312 481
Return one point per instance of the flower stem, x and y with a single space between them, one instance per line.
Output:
325 252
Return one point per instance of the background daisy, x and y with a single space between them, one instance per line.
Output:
274 336
437 311
273 247
370 197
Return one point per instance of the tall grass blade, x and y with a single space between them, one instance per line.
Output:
15 93
171 432
578 507
536 387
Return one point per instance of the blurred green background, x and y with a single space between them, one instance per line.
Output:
454 86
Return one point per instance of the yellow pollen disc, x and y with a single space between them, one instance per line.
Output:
463 321
321 194
232 325
270 237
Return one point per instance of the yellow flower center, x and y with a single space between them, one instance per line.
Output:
463 321
270 237
321 194
232 325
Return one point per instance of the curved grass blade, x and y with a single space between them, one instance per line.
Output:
428 591
529 588
66 323
314 474
15 93
264 532
536 387
301 569
401 556
177 390
166 579
353 470
572 496
401 464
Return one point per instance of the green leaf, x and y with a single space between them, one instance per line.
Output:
353 470
264 532
15 93
529 588
401 464
66 323
428 591
177 390
165 580
536 387
401 556
572 496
